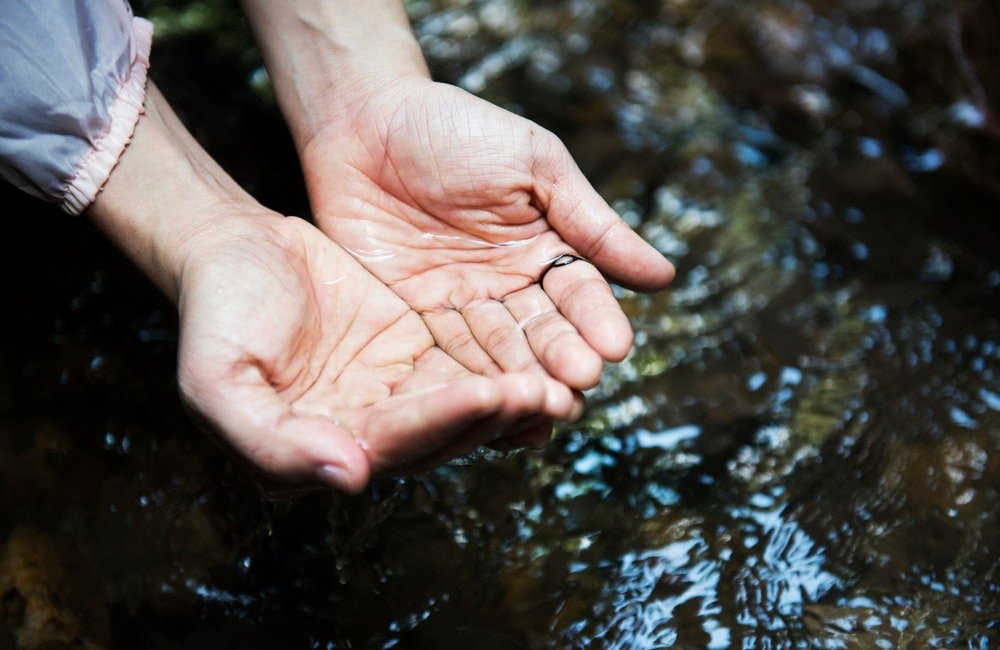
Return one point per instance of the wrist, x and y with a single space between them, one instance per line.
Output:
164 196
341 88
326 57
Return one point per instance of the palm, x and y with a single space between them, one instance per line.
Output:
460 207
308 358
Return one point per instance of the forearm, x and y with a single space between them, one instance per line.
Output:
164 193
325 56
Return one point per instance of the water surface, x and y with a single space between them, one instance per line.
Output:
803 450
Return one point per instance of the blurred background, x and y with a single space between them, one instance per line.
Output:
803 451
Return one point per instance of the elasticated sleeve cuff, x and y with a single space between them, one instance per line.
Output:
72 87
123 113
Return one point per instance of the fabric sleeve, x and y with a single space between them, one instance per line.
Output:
72 85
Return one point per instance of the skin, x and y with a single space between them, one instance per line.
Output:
426 332
296 358
455 204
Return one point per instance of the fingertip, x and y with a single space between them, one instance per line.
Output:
615 345
339 460
560 400
350 479
658 273
610 336
669 272
356 468
635 264
525 393
578 366
557 400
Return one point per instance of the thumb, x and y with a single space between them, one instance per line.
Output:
587 223
283 449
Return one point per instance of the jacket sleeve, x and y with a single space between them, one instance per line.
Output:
72 85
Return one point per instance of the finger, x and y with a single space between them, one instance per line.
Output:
587 223
452 334
498 333
582 295
284 449
523 399
408 427
554 340
530 395
435 367
561 402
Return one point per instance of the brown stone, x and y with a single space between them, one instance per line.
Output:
49 599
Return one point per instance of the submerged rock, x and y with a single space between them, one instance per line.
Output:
49 599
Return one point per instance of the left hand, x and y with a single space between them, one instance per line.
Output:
313 373
460 206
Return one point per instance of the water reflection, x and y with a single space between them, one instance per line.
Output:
678 594
803 450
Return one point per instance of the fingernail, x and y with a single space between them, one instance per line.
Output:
335 475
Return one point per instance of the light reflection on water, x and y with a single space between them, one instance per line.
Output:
803 450
640 603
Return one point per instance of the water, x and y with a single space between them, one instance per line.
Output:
803 450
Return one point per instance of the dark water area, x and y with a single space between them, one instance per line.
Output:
803 451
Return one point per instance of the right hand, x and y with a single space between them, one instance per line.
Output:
457 205
460 207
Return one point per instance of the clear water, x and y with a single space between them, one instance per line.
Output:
802 452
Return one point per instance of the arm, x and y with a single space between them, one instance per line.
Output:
458 206
298 360
165 192
324 57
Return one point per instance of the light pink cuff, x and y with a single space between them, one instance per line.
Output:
95 167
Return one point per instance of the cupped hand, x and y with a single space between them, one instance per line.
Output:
460 207
316 374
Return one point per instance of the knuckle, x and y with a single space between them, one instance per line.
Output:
550 324
596 244
497 339
460 341
529 363
581 289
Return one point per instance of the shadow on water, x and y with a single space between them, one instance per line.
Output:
803 450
